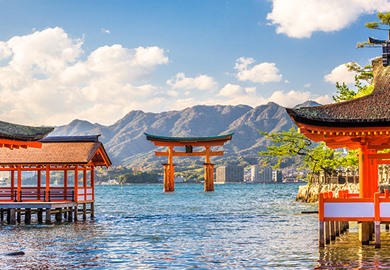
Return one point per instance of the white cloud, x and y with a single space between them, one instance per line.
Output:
201 82
47 79
261 73
105 31
231 90
300 18
340 74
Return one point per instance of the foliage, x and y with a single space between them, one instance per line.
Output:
314 156
382 24
363 83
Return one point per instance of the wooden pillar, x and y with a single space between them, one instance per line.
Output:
40 215
377 234
321 234
18 215
327 232
19 186
70 214
85 182
92 210
48 216
332 230
39 183
11 216
65 184
13 185
84 211
59 215
75 212
47 184
93 183
27 216
76 183
365 190
170 185
208 177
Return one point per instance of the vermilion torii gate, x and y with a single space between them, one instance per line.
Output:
189 143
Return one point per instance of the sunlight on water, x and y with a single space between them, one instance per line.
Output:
237 226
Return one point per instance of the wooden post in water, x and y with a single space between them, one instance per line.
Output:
332 230
27 216
48 216
208 177
321 234
377 234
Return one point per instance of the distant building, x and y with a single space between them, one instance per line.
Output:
265 175
230 174
261 174
277 176
255 174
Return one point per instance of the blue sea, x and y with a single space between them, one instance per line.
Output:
238 226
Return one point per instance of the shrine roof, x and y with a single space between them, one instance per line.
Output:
368 111
224 137
17 132
59 150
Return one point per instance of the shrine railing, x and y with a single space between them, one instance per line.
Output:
349 207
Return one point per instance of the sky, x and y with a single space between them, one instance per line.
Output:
97 60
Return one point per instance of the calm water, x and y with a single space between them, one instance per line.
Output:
236 227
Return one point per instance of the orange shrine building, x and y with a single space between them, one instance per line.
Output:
362 124
51 175
189 143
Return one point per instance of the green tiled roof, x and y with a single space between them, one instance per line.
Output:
11 131
188 139
371 110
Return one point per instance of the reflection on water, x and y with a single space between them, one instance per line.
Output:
237 226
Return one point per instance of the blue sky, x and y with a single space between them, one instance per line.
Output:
99 59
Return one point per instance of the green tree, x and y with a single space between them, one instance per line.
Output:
315 157
382 24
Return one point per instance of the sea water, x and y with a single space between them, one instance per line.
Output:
238 226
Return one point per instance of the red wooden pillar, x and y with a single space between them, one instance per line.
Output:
364 172
13 184
85 182
19 185
47 198
39 183
208 177
65 183
169 172
76 182
93 181
365 184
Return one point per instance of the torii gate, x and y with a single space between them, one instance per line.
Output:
189 143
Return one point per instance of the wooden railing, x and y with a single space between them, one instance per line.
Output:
81 194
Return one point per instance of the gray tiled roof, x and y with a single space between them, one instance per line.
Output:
11 131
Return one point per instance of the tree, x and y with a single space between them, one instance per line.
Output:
383 24
314 157
363 83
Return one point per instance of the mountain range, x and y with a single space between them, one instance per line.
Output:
126 143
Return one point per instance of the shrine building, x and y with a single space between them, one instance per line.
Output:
362 124
47 175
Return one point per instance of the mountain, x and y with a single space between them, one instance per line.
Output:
126 144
